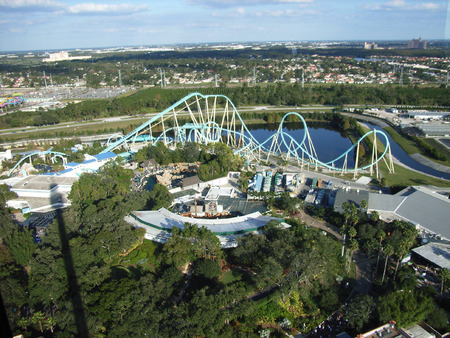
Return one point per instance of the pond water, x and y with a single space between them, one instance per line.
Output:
328 142
403 157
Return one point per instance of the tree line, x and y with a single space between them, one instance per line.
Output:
157 99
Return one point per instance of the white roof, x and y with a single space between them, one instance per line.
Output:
164 219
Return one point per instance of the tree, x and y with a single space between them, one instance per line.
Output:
375 216
160 197
208 268
388 251
352 246
37 318
380 235
288 203
359 311
21 245
444 275
363 204
405 308
23 323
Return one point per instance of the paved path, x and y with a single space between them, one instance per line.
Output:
320 224
429 163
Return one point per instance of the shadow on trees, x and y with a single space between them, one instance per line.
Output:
74 288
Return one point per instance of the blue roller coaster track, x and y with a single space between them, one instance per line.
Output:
214 118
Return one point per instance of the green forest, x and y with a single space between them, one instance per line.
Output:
94 274
157 99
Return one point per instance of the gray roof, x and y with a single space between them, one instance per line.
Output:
189 181
166 220
436 253
351 196
426 208
384 202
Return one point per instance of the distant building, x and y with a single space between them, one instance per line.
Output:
372 45
63 56
425 115
417 44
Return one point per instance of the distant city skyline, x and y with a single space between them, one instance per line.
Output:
66 24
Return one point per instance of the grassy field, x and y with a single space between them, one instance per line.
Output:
406 177
231 276
411 148
145 254
441 148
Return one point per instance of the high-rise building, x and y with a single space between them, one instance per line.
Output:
417 44
372 45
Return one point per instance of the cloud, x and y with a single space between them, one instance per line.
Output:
403 5
240 3
61 8
31 5
241 12
105 9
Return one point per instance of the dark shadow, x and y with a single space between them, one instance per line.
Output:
5 330
74 289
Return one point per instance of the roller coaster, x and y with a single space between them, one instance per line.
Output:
14 100
209 119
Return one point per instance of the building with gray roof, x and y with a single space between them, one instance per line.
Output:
435 253
351 196
420 206
159 223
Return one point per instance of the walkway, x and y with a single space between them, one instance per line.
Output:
425 161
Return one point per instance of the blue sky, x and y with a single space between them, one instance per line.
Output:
62 24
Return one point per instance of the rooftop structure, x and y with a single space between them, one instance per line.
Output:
158 224
351 196
434 129
41 192
421 206
435 253
391 330
421 115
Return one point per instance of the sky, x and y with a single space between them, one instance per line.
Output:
66 24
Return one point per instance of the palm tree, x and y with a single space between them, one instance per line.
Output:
38 317
49 324
380 235
388 250
444 275
23 323
352 232
363 204
352 246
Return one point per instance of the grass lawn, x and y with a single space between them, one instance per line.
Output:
406 177
441 148
411 148
145 254
231 276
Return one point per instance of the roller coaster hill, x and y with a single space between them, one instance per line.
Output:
210 119
14 101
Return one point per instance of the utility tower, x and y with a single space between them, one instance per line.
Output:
120 79
161 74
303 78
254 76
45 79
